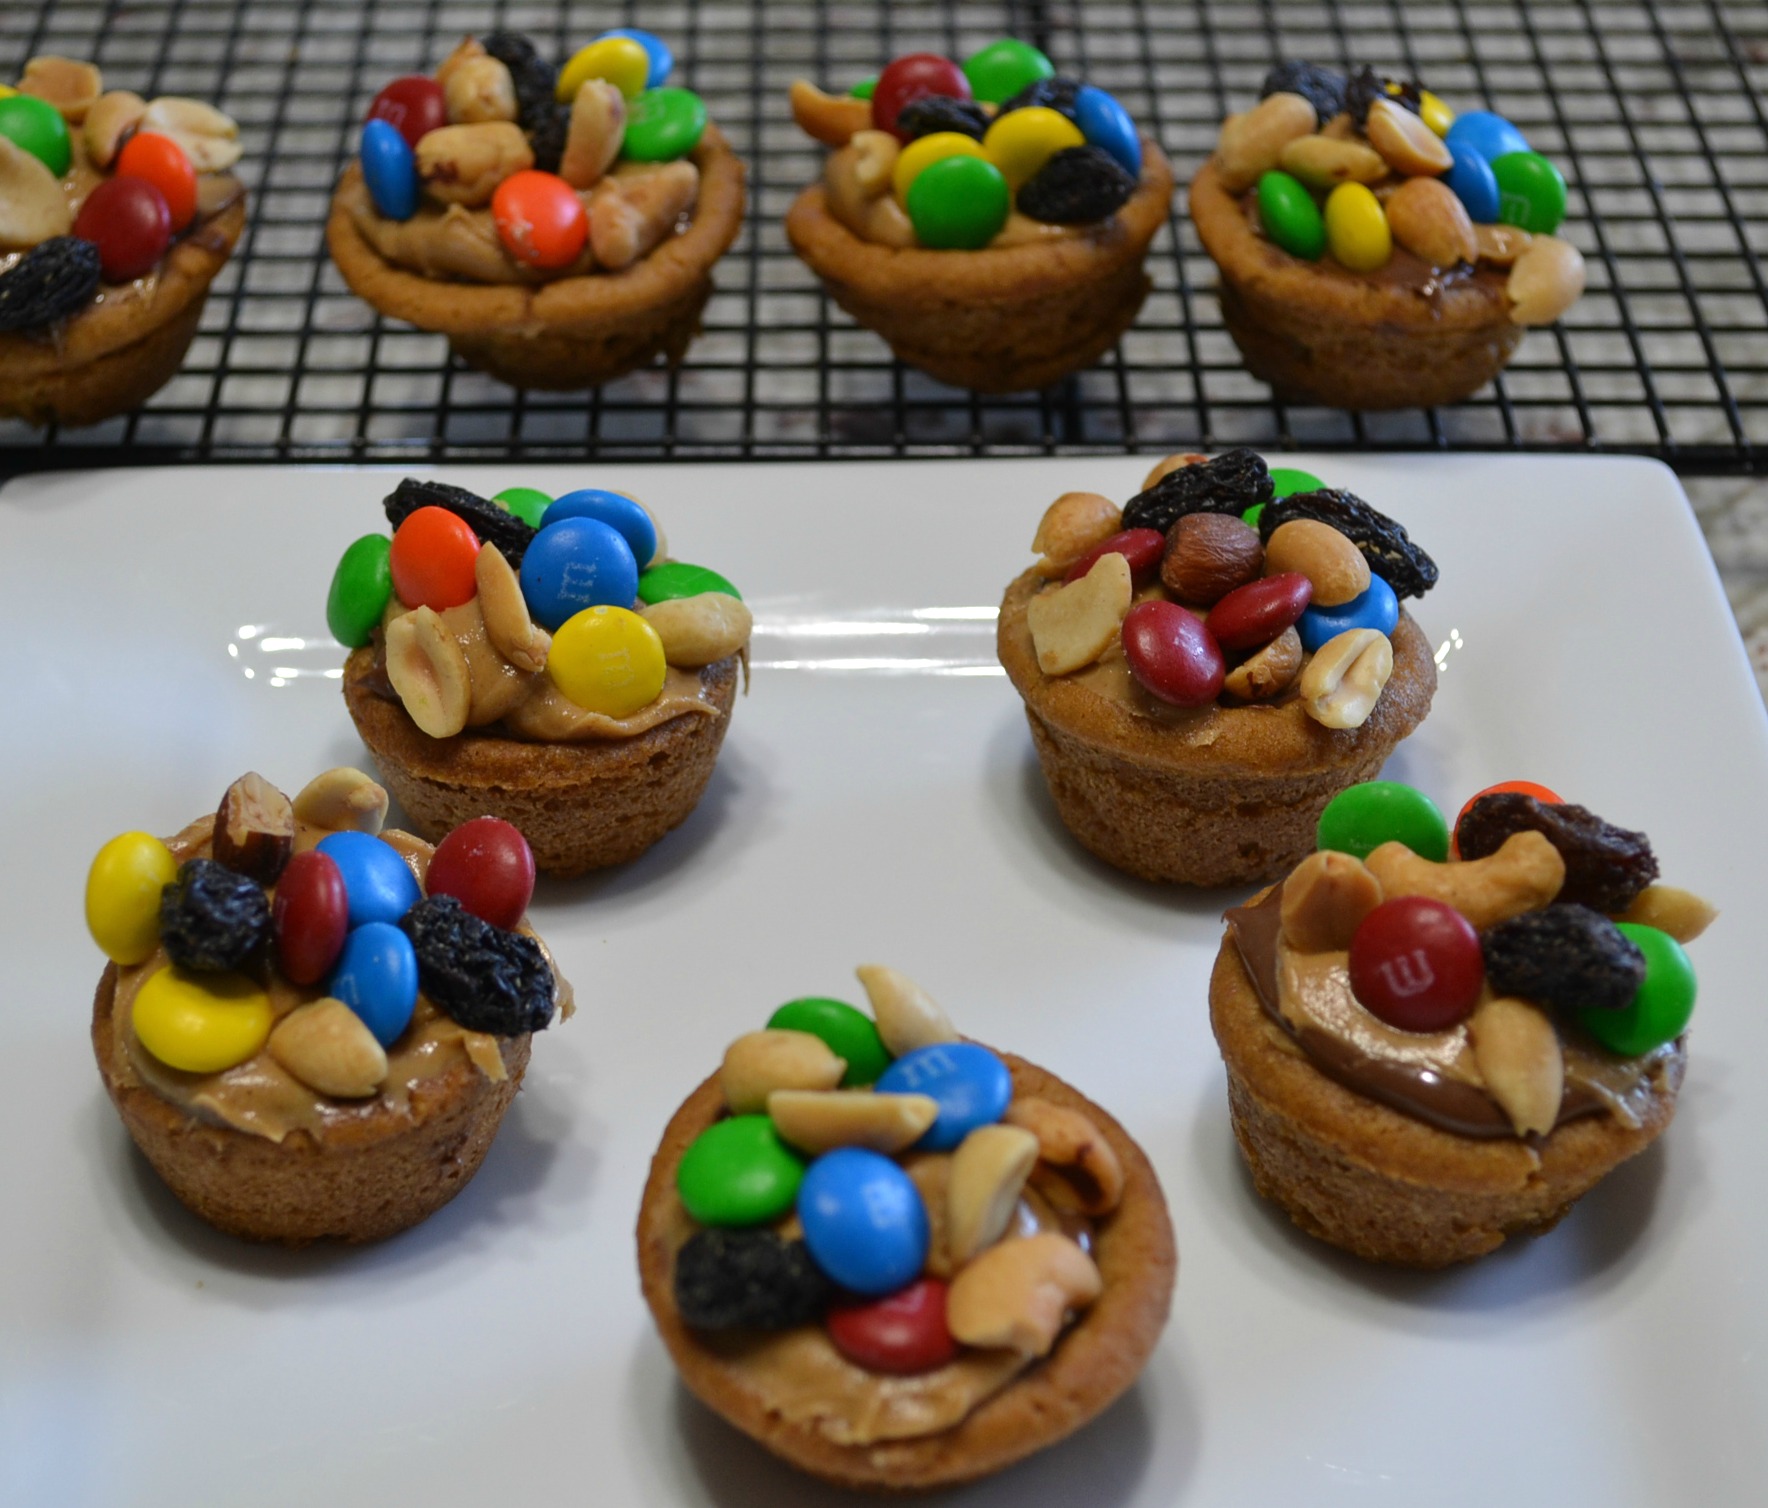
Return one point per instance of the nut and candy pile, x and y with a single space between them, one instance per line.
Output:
1227 581
960 146
500 126
576 588
95 186
1531 917
1350 167
345 921
938 1211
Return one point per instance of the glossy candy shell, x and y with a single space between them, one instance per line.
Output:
1360 818
1356 228
1105 123
1256 613
911 77
620 513
1172 654
540 220
162 162
376 976
863 1221
123 890
676 578
663 124
127 219
901 1335
1020 142
1142 548
361 587
389 168
527 503
1474 184
487 865
969 1083
1377 608
201 1023
1661 1010
1531 192
607 660
1487 134
959 204
924 151
1000 70
1416 964
311 914
37 127
661 59
379 883
848 1033
1290 217
739 1173
414 106
574 564
432 559
624 61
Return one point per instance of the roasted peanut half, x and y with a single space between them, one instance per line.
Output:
1071 526
1681 913
1252 143
1071 626
465 51
32 205
1545 281
630 214
1167 465
831 119
1017 1295
1323 163
429 670
1325 899
848 181
988 1174
209 138
464 164
1431 222
1090 1177
480 89
598 127
1335 566
1518 1055
761 1062
512 632
1266 671
325 1045
908 1017
874 160
1344 680
819 1120
112 117
1501 245
1406 144
1523 875
699 630
71 86
342 800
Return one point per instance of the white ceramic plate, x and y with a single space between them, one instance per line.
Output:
163 631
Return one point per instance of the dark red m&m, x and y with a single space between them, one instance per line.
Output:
310 914
902 1334
1416 964
1172 654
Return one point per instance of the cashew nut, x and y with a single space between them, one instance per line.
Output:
1523 875
1344 680
1518 1055
829 118
342 800
1088 1175
1071 526
325 1045
32 205
1071 626
429 670
464 164
819 1120
761 1062
1018 1294
69 85
209 138
480 89
598 127
988 1174
907 1016
513 634
1169 464
112 117
701 629
1325 900
1681 913
854 198
630 213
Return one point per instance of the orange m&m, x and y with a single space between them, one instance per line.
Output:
164 164
540 219
432 560
1541 793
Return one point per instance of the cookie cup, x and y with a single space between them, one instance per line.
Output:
367 1175
115 355
581 806
1094 1362
1386 1186
1319 333
573 332
1002 318
1218 796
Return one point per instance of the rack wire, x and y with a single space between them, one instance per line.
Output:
1655 113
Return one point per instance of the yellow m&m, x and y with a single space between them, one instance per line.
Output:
1435 114
201 1023
607 660
1022 141
924 151
623 62
1357 232
123 895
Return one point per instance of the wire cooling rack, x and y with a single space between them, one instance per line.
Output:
1654 113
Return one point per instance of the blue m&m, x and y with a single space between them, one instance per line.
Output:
1107 125
1485 133
863 1221
969 1083
389 168
619 512
575 564
662 60
379 883
1376 608
1474 183
376 976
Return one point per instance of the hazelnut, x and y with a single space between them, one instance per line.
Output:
1208 555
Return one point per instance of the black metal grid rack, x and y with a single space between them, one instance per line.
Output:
1654 112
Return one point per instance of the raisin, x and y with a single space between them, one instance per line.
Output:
1229 483
1077 186
1323 88
487 979
1605 866
546 136
1367 86
939 112
52 280
748 1279
535 78
1385 545
490 522
1565 956
212 919
1053 94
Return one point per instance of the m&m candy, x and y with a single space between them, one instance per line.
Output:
414 106
389 169
379 883
622 60
201 1023
431 559
663 124
607 660
163 163
863 1220
311 915
1105 123
676 578
361 587
1360 818
37 127
1000 70
1376 607
911 77
1416 964
376 976
620 513
487 865
739 1172
662 60
123 895
1021 141
539 218
127 219
959 204
577 563
1661 1009
848 1033
971 1085
901 1334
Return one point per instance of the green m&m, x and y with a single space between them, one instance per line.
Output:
676 578
959 204
527 503
739 1172
848 1033
1290 217
1531 192
360 589
1360 819
863 89
1660 1010
1001 69
663 124
1286 481
37 127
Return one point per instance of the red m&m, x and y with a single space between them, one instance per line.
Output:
487 866
902 1334
1142 548
434 552
128 220
1416 964
413 106
311 914
1172 654
914 77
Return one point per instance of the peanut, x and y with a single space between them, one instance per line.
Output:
1430 222
1323 163
1336 567
1252 143
1073 1148
465 51
761 1062
342 800
1545 281
598 127
819 1120
1406 144
464 164
429 671
698 630
72 87
1344 680
907 1016
480 89
1266 671
631 213
108 123
988 1173
209 138
875 216
512 632
1208 555
1518 1055
1501 245
32 205
874 160
1071 526
1169 464
1681 913
1071 626
1325 900
325 1045
1017 1294
831 119
1523 875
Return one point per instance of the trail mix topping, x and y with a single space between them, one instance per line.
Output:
1350 169
486 608
945 156
1225 581
97 186
1416 975
317 957
940 1214
578 169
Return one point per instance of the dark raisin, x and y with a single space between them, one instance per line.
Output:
1053 94
1567 957
547 130
1605 866
49 282
1385 545
212 919
1077 186
748 1280
487 979
490 522
1229 483
1367 86
533 76
939 112
1323 88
